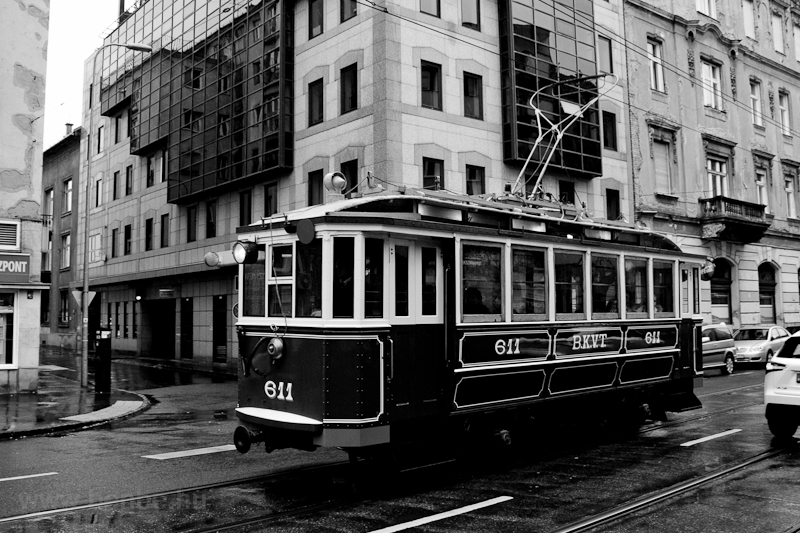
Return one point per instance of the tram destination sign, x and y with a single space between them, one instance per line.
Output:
15 268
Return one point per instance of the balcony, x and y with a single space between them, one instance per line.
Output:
732 220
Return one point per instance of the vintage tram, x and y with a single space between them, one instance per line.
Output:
396 317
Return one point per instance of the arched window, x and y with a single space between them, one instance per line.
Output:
721 292
766 293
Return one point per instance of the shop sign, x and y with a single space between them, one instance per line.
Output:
15 268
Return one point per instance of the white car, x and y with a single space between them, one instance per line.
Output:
782 389
758 343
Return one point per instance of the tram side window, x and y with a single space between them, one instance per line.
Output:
373 278
529 288
254 289
605 293
401 280
636 301
481 277
663 291
280 283
569 285
309 279
428 281
343 268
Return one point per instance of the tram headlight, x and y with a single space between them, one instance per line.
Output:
245 252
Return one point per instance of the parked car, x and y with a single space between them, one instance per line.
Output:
758 343
719 350
782 389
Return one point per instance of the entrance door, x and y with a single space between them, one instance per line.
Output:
220 326
163 323
187 327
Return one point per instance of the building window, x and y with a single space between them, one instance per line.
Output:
116 319
791 201
191 223
193 120
662 162
151 170
100 140
613 207
473 96
270 199
114 241
755 103
48 202
761 188
211 219
148 234
115 186
245 207
128 239
717 170
348 9
125 320
65 250
749 16
117 128
431 7
66 197
476 180
349 80
315 195
707 7
712 85
95 248
98 192
655 53
315 15
431 85
783 106
192 78
471 14
63 315
796 31
777 32
128 180
432 174
606 58
315 96
350 171
164 231
609 131
566 192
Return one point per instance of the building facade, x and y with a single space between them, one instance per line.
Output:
61 182
715 141
242 108
23 39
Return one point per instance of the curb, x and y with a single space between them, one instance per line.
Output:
69 427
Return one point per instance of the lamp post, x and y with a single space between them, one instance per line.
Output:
84 367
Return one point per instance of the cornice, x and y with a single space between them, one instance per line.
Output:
769 62
690 25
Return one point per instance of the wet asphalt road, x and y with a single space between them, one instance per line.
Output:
564 473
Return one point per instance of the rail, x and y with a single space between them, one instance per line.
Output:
721 206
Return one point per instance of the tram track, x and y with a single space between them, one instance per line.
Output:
663 495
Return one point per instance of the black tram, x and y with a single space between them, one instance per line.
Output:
396 317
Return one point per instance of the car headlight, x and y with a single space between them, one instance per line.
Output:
755 348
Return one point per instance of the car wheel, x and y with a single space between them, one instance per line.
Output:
781 427
728 368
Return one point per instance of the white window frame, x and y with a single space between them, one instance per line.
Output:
785 113
96 248
777 33
761 188
66 246
796 34
712 85
717 172
755 103
749 17
791 202
655 53
707 7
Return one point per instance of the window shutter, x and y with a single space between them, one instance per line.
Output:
9 236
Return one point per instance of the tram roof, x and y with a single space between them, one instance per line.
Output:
450 208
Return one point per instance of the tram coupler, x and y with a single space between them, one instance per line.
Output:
243 438
504 437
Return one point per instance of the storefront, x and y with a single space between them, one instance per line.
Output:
19 325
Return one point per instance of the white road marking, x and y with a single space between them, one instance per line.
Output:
188 453
27 477
711 437
441 516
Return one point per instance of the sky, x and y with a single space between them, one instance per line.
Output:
74 34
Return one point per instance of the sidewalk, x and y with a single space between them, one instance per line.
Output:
61 405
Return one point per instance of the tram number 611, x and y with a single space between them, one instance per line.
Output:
652 337
280 390
510 346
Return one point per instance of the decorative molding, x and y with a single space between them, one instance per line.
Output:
712 231
733 80
771 96
690 54
662 128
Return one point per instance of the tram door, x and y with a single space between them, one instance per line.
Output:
690 290
691 343
418 362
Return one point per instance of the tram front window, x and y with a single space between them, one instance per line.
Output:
343 268
309 279
254 289
569 284
373 278
279 293
482 280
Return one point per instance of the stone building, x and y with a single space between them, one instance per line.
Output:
242 108
23 40
715 142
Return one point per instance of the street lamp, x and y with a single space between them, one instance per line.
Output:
84 368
